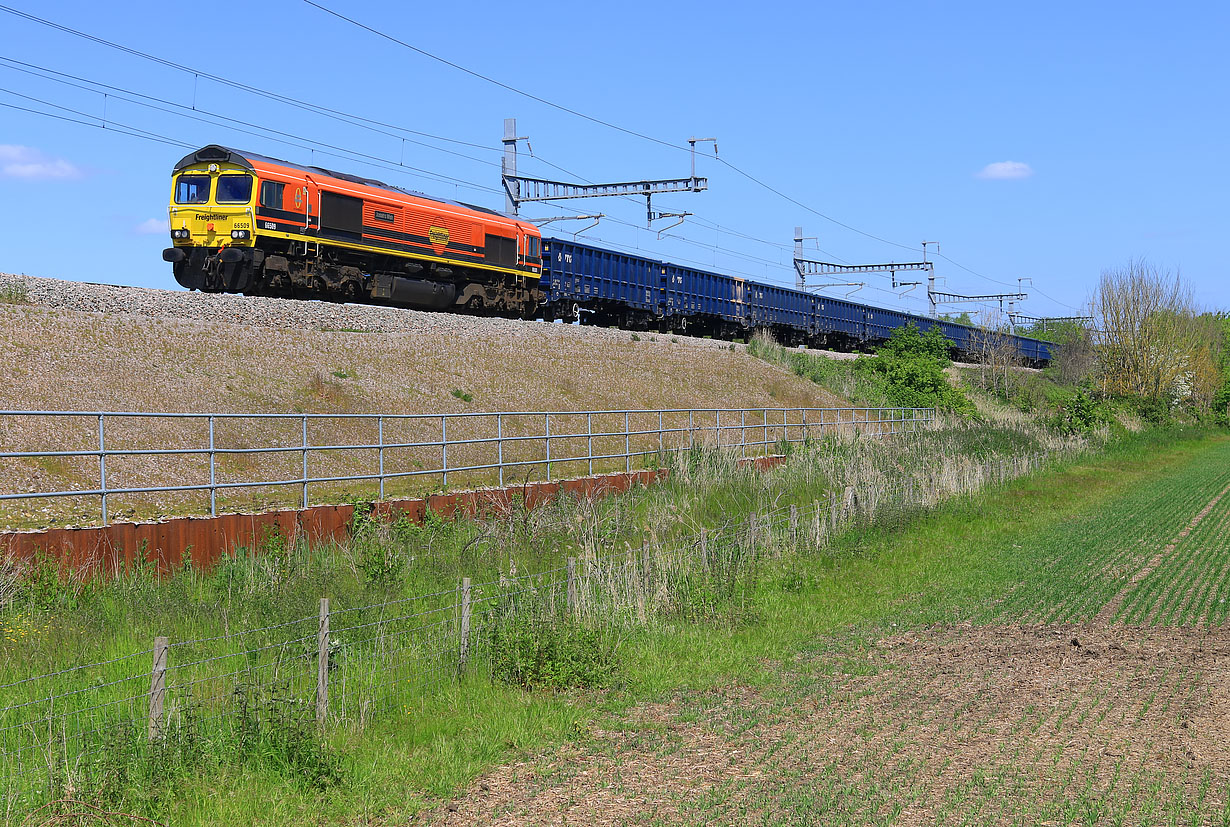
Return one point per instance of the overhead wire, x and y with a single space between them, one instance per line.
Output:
264 132
369 123
602 122
346 117
256 90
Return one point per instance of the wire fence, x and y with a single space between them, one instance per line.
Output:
253 688
101 463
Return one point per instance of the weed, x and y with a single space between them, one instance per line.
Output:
14 293
635 338
462 395
533 651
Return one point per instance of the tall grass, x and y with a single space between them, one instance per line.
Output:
690 551
837 375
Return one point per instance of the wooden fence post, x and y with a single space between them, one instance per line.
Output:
158 688
794 525
572 585
704 549
322 663
465 624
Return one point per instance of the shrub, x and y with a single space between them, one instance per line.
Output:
534 651
909 369
1080 414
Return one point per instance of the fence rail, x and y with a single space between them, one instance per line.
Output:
133 454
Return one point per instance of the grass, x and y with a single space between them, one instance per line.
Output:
14 293
277 590
839 375
802 638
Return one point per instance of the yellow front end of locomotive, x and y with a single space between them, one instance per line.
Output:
212 206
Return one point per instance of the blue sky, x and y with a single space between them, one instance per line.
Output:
1044 140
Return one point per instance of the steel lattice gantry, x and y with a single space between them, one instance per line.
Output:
518 189
805 267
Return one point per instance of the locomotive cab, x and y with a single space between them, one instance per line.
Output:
212 222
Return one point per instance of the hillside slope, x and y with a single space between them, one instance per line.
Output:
93 347
82 347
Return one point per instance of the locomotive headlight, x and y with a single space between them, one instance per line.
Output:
240 234
179 233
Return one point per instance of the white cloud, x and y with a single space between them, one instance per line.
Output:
1005 171
28 162
152 226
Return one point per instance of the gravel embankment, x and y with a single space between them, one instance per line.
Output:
284 314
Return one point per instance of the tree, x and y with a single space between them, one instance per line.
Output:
1076 358
1154 343
997 357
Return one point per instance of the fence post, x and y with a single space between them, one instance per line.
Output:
743 432
444 449
380 442
102 466
691 429
213 480
464 652
157 688
627 445
659 432
499 445
572 585
322 663
589 433
305 469
794 525
704 549
547 436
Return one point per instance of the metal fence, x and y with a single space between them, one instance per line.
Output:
110 455
352 664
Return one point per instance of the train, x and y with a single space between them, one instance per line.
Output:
246 223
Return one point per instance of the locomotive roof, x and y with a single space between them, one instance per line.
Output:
221 154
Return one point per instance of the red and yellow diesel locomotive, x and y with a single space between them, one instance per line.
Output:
245 223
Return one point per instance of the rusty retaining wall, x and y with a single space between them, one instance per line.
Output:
168 544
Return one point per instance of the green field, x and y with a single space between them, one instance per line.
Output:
1050 653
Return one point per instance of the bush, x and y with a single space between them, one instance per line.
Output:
909 368
533 651
1080 414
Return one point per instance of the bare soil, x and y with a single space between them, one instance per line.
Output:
987 725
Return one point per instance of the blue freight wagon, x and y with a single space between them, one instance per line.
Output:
594 285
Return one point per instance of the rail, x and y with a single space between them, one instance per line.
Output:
133 454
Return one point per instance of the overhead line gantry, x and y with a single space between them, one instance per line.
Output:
805 267
519 189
